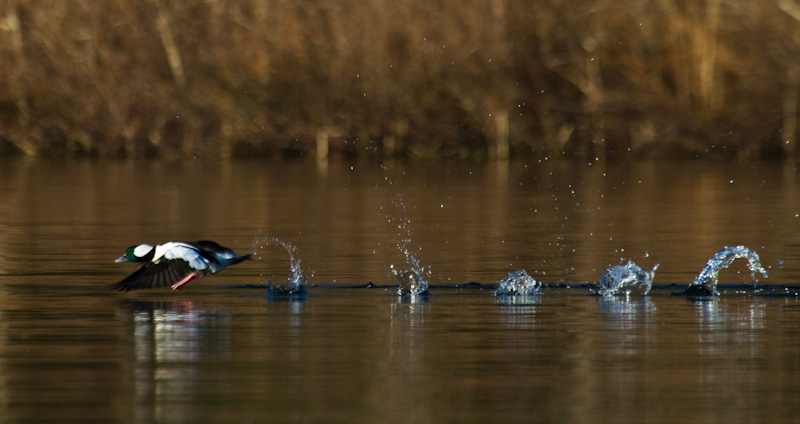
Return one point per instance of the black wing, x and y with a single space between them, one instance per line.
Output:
219 254
213 247
156 274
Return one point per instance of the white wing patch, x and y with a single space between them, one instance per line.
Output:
176 250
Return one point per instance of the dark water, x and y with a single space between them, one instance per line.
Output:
72 350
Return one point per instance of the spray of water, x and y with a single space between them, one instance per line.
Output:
705 284
296 281
625 280
410 281
518 283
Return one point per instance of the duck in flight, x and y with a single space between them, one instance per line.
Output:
175 263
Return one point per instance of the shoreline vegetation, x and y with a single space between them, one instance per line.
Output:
412 78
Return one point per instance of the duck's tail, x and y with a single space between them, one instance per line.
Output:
237 259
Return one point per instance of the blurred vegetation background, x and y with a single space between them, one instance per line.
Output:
411 78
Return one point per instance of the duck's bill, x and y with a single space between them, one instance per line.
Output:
121 259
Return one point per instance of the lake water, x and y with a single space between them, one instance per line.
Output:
221 351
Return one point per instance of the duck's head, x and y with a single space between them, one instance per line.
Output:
138 253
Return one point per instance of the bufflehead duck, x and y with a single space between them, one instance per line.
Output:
175 263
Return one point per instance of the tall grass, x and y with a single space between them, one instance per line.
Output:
218 78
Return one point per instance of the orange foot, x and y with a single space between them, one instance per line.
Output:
190 277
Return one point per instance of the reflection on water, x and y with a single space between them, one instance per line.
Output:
220 351
626 307
631 318
723 328
168 339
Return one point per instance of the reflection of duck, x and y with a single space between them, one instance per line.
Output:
175 263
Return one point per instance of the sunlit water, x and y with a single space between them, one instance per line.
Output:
350 349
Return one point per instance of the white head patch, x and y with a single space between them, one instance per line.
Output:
142 250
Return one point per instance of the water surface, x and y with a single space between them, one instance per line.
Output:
221 351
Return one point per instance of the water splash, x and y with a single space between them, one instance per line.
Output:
518 283
705 284
626 279
296 282
412 281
